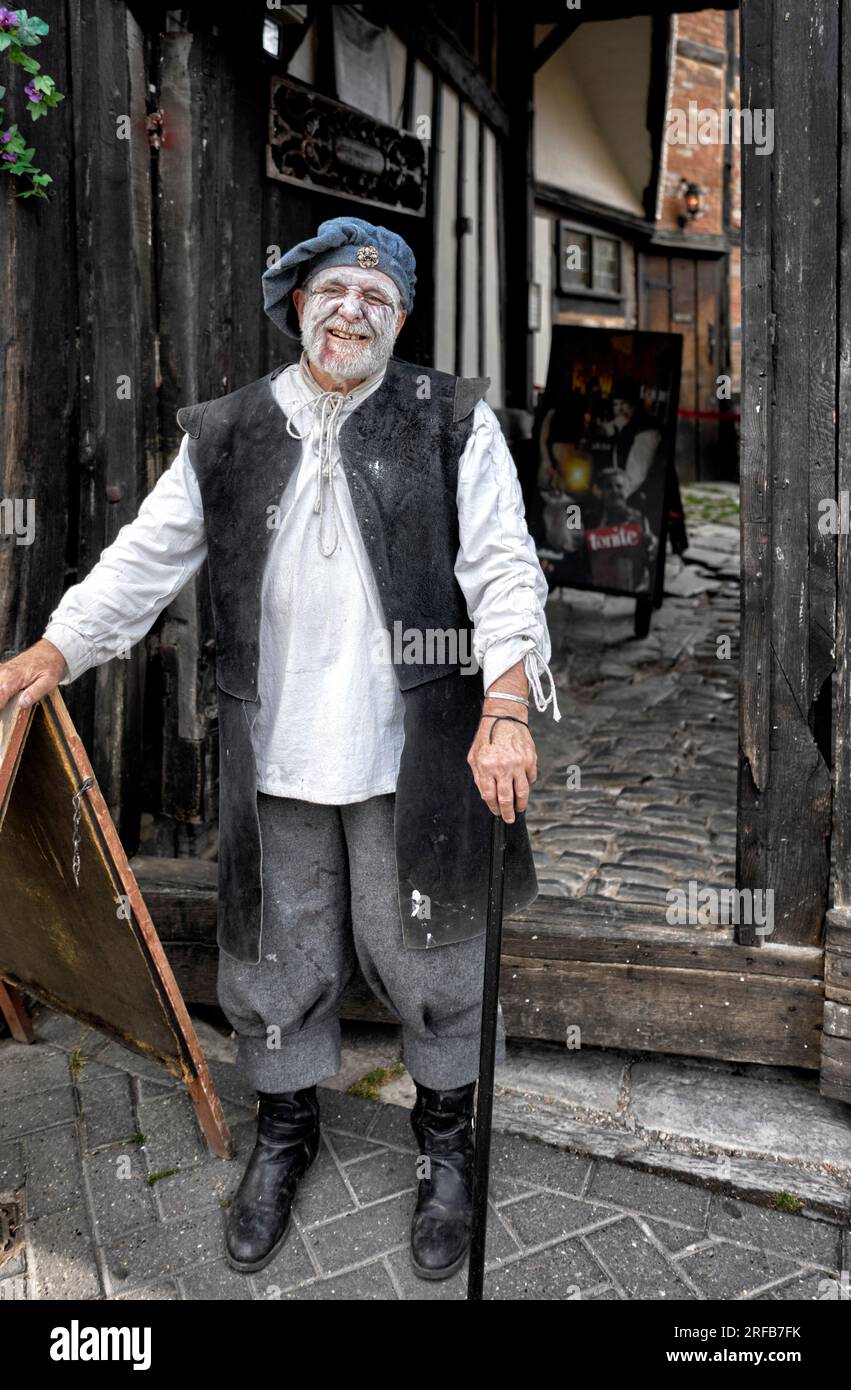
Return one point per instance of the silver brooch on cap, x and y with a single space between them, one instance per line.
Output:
367 256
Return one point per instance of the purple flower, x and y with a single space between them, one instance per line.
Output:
5 137
8 19
10 158
32 91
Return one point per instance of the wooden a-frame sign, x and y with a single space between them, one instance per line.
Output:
74 929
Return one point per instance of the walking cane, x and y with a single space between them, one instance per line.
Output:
487 1055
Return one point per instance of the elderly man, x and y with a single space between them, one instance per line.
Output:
348 498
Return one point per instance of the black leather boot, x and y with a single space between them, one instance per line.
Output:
287 1144
440 1231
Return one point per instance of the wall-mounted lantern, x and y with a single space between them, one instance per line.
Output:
692 195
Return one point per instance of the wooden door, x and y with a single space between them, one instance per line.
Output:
679 294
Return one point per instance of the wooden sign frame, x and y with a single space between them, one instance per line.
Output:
74 928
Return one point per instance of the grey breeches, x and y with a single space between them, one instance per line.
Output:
329 900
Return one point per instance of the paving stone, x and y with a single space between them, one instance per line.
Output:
370 1282
166 1248
806 1286
562 1272
452 1290
649 1193
107 1111
640 893
165 1290
322 1192
214 1282
61 1259
231 1085
94 1078
114 1055
365 1233
349 1147
50 1026
725 1270
546 1216
291 1266
807 1241
54 1176
673 1236
172 1139
12 1166
618 873
28 1113
393 1126
208 1184
348 1113
382 1175
27 1069
635 1264
121 1198
520 1165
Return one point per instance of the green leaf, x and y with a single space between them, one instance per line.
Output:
24 61
35 111
44 83
2 93
29 30
5 40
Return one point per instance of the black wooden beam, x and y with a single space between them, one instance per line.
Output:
841 843
437 46
484 290
460 232
701 52
117 428
554 40
789 66
516 80
602 214
661 50
553 12
39 458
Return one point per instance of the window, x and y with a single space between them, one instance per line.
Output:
271 37
588 263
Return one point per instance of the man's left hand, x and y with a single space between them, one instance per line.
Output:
504 769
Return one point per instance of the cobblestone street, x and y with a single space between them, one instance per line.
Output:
651 726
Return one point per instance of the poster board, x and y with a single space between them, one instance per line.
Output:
74 929
604 439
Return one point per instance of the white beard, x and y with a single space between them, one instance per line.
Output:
345 361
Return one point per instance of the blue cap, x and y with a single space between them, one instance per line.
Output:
340 241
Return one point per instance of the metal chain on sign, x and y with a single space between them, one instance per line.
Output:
75 801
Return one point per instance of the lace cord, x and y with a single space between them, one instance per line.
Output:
534 677
330 405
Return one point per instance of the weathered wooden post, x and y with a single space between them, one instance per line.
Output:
796 333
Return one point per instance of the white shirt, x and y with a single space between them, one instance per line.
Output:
329 727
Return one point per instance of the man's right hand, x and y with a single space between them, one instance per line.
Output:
35 672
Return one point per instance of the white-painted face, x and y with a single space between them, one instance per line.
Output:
350 319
